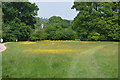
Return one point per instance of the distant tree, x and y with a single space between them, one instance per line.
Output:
59 29
38 35
54 29
55 19
62 22
51 29
69 34
66 23
39 22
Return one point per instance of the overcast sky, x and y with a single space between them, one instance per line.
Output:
62 9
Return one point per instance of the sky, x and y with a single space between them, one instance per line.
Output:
62 9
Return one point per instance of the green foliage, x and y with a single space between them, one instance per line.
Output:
51 29
59 29
16 30
39 35
97 20
18 20
38 23
62 22
23 11
66 23
57 35
55 19
26 30
94 36
69 34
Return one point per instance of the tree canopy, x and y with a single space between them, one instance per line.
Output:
18 20
97 20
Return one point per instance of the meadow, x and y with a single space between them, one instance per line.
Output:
60 59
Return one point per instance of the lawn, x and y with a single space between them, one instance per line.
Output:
60 59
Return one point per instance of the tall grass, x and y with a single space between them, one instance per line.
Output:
88 60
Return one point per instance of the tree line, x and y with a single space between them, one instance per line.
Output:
96 21
55 28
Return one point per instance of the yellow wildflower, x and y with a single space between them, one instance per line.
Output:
27 42
49 51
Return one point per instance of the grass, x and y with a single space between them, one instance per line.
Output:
60 59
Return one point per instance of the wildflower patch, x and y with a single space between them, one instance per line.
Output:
27 42
66 41
49 51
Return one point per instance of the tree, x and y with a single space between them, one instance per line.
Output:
18 20
69 34
62 22
39 22
55 19
66 23
23 11
38 35
16 30
51 29
96 20
59 29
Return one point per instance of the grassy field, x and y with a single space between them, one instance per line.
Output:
60 59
